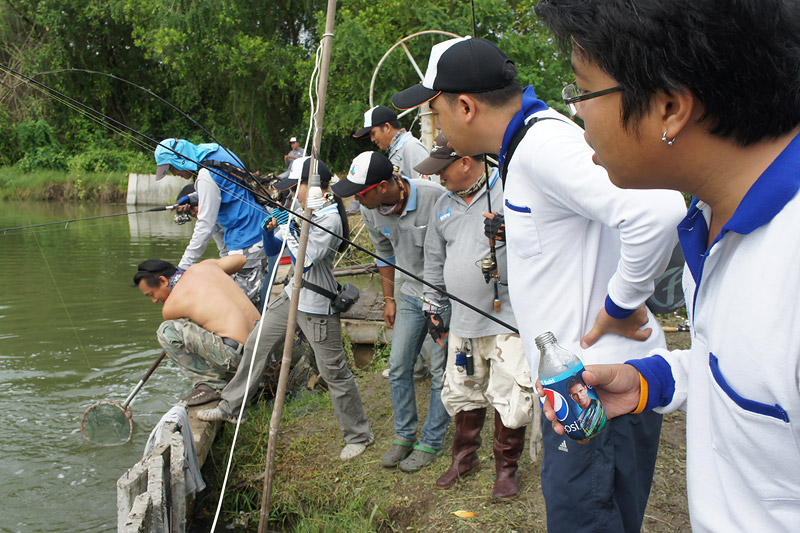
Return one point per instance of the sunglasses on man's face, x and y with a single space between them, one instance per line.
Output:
360 195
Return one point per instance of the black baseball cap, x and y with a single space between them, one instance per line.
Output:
440 158
462 65
301 168
368 168
375 117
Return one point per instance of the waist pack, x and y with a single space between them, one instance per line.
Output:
342 300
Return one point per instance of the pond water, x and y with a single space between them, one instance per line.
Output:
74 331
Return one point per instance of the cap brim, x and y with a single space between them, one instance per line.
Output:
161 171
285 184
344 188
360 133
414 97
433 165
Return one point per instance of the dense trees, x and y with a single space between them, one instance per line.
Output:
238 68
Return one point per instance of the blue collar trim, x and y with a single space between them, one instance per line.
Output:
530 105
766 198
411 205
693 235
770 193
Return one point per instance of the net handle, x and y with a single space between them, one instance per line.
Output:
138 386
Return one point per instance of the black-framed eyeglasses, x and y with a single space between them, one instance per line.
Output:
572 95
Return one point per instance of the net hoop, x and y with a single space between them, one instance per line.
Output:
128 417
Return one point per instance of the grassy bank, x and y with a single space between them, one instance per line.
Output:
63 185
314 491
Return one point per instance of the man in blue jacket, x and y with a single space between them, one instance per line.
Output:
220 199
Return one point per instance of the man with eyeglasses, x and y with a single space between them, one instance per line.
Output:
582 257
396 211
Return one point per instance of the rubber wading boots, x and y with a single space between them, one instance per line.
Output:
508 444
466 442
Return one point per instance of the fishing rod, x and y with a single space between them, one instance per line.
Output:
265 197
67 222
489 264
61 97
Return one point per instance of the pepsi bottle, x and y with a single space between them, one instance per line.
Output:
575 403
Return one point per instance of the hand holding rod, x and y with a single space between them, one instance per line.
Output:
492 248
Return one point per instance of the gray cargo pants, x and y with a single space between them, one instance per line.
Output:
324 333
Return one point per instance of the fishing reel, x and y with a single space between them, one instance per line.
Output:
488 268
182 218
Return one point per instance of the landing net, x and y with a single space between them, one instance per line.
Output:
107 424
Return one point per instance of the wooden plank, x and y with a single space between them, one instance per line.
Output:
130 485
203 432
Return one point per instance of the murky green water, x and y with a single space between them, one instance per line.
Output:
73 331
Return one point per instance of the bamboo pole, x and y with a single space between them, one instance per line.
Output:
286 361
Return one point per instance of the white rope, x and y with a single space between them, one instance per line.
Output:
249 375
342 254
311 87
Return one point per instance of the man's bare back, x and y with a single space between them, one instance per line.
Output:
208 296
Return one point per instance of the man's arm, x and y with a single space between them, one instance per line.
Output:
387 284
208 208
435 247
383 248
646 221
230 264
657 382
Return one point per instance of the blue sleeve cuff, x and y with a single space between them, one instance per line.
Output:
272 244
660 383
389 261
615 311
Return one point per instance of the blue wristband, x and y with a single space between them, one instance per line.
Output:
658 373
615 311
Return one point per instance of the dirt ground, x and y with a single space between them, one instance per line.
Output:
310 478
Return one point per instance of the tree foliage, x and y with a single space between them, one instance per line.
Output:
239 69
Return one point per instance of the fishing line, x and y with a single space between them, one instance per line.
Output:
312 84
474 24
67 222
264 311
120 128
63 303
141 88
273 203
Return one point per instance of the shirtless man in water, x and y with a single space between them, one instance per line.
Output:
207 319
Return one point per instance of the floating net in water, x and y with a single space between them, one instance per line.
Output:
107 424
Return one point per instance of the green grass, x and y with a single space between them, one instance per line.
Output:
62 185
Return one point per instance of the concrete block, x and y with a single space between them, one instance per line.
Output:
129 487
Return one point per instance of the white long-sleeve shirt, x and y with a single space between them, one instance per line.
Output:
575 238
208 201
740 382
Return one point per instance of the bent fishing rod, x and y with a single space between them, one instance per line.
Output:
66 222
263 196
114 125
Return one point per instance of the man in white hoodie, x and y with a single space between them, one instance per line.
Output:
582 259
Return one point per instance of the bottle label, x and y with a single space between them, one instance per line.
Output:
575 403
